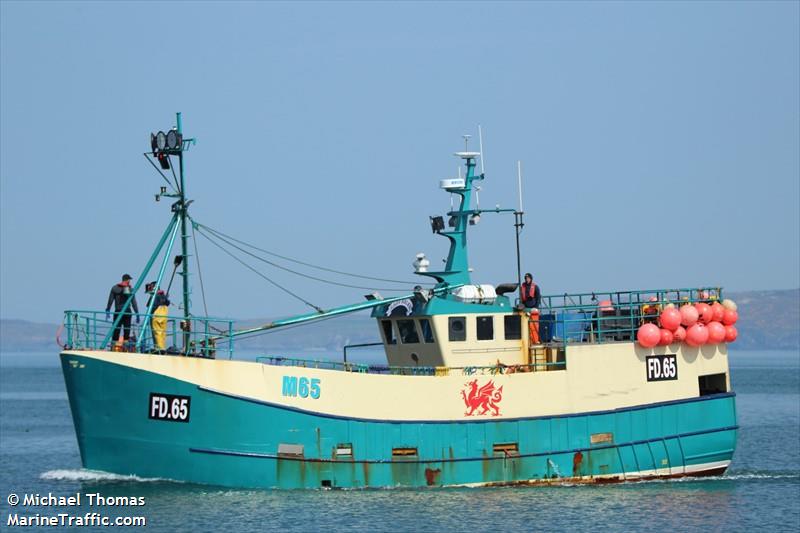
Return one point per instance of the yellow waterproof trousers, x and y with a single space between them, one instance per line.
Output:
160 327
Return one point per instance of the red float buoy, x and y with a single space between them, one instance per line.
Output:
730 333
670 319
716 333
666 337
717 310
689 315
679 334
704 312
729 317
648 335
697 335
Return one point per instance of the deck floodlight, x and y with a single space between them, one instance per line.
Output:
437 224
161 141
170 142
174 140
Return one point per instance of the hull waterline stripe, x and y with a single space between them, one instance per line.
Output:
258 455
472 421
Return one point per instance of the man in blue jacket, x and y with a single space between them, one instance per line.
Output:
119 295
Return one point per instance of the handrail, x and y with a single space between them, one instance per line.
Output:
366 368
89 329
663 296
610 316
360 345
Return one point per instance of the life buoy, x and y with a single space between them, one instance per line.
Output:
58 337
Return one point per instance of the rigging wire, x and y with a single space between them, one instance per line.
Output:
284 289
221 235
162 174
276 265
286 328
199 272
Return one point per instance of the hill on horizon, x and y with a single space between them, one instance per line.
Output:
768 320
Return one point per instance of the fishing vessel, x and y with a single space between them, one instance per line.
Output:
476 389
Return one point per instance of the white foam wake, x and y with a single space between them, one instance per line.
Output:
755 476
92 475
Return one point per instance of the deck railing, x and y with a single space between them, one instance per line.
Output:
198 336
594 317
599 317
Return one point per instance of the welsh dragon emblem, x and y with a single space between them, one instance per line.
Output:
485 397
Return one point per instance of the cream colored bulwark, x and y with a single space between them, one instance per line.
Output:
598 377
606 376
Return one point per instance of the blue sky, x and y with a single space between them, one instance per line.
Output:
659 142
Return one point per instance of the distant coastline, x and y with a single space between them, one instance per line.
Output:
768 320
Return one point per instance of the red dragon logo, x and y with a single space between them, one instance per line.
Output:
486 397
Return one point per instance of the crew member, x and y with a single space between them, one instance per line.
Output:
159 322
530 295
531 298
119 295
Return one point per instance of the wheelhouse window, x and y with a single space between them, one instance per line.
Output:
457 328
485 328
408 332
388 334
513 327
427 331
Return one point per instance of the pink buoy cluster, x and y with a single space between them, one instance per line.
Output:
695 324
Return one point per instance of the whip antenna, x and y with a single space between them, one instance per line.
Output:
518 224
480 147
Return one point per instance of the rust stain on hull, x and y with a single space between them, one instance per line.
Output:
431 474
577 459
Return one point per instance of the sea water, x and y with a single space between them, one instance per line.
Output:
761 490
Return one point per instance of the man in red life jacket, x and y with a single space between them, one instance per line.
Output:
530 295
531 298
119 295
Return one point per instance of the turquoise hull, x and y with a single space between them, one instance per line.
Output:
234 441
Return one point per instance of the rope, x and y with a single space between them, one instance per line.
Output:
284 289
276 265
219 234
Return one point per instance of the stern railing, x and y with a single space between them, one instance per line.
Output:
601 317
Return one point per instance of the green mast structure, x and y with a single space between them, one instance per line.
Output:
164 146
456 271
182 210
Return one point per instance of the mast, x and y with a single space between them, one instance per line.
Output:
182 211
456 270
